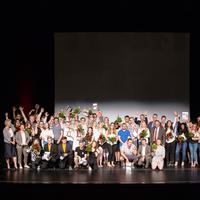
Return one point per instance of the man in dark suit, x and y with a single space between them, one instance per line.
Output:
158 132
65 154
50 155
144 154
151 124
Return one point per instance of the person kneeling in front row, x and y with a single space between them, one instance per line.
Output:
80 157
158 156
129 153
65 154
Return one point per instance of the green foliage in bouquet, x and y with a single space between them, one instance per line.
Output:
89 148
77 110
154 146
29 131
102 137
189 135
119 119
143 134
180 139
105 127
112 139
61 114
90 112
80 129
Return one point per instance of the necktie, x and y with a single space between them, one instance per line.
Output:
155 134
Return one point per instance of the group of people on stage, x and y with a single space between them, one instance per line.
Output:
67 140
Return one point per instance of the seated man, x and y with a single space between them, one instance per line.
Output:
50 155
65 154
144 154
80 157
129 153
158 156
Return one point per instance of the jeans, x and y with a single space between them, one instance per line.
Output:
193 151
180 147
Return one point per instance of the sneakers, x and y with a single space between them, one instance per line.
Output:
89 168
70 168
176 164
26 166
182 164
20 167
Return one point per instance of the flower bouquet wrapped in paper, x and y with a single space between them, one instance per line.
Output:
169 136
102 138
189 135
153 147
112 138
143 134
181 139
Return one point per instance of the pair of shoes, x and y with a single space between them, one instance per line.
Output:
26 166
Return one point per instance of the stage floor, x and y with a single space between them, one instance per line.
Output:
102 176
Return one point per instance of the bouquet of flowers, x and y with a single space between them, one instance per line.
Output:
75 112
105 127
112 139
181 139
154 146
189 135
143 134
88 148
80 129
102 137
169 136
119 119
61 114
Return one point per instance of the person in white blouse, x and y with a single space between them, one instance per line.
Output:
158 156
170 144
143 127
46 131
133 128
69 132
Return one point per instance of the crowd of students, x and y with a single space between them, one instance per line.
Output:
66 140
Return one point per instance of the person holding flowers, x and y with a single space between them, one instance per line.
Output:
193 144
181 144
158 156
143 132
170 144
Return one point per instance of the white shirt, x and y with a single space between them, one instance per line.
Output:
23 138
143 150
45 133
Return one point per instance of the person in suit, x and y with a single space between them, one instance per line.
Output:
158 156
50 154
158 132
152 124
65 154
22 140
144 154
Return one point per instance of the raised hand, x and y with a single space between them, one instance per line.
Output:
37 106
21 108
14 108
42 109
46 114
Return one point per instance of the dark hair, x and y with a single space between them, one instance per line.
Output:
163 116
166 126
127 116
144 139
